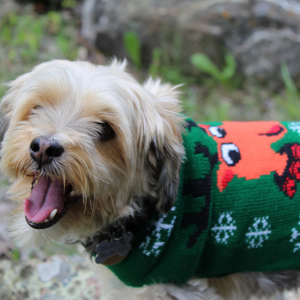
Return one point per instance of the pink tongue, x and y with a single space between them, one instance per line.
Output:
45 197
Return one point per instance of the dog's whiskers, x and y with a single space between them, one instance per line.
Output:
84 200
99 178
100 166
93 201
112 202
92 206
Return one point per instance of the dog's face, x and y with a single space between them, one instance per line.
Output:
84 145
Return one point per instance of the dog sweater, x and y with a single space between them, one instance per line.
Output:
237 210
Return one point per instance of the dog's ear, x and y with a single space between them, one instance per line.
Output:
165 152
5 114
4 123
8 102
118 65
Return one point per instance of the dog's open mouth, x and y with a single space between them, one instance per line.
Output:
48 203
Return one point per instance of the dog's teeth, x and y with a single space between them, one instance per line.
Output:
46 221
52 215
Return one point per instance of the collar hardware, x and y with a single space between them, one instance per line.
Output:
115 250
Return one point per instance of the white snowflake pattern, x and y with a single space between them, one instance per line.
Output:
160 227
295 126
294 236
258 232
225 228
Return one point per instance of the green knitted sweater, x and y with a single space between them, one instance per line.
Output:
238 207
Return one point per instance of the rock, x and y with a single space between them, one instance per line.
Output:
261 34
49 270
58 278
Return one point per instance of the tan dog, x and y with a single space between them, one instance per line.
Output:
92 144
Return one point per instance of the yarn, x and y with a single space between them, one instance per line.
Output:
237 210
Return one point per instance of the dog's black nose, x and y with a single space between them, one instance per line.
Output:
42 150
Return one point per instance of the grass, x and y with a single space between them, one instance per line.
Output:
251 103
216 94
212 94
27 39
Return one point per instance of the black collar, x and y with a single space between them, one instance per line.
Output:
122 229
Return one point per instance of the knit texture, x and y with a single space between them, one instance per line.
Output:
238 207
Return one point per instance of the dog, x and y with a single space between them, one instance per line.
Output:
97 158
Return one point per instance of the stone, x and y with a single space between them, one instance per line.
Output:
261 34
60 277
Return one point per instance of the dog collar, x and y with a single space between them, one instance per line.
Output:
111 245
113 250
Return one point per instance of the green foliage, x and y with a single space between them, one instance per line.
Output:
55 248
133 48
170 66
24 37
69 3
292 98
15 254
15 36
214 107
205 65
166 62
155 64
172 74
289 84
2 90
27 39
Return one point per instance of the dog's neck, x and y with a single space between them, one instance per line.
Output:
120 231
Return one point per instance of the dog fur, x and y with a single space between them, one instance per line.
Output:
67 103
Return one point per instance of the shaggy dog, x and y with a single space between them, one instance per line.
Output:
94 154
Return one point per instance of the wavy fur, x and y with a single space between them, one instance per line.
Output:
65 102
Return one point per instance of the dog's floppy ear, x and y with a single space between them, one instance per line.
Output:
7 103
165 151
118 65
4 122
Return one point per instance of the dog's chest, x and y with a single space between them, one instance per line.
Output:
238 207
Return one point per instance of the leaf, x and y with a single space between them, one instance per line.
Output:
204 64
15 255
156 61
133 48
63 44
230 67
288 82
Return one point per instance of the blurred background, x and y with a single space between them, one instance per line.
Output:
236 60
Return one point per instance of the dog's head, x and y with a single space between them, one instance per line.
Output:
84 144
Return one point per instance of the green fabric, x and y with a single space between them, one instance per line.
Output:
225 220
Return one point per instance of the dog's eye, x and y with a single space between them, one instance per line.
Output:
105 132
34 110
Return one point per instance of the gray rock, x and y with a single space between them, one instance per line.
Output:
58 278
261 34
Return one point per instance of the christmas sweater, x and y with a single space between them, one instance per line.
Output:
237 210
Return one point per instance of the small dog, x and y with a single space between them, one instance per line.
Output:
100 159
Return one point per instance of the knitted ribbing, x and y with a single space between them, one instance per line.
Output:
237 210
